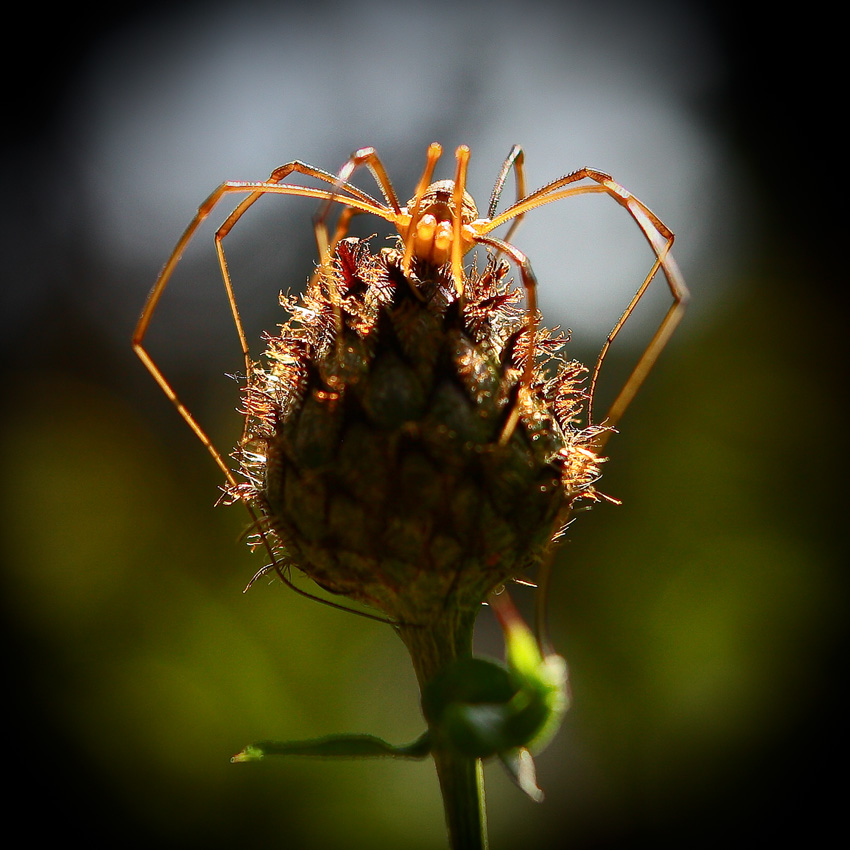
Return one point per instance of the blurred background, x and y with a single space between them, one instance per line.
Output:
704 620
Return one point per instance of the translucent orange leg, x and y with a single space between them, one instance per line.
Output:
462 155
326 245
363 157
230 187
360 202
660 239
280 174
434 153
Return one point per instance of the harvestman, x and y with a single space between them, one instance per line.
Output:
439 225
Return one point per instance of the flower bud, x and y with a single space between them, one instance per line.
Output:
380 448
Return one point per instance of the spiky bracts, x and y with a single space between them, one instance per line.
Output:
376 448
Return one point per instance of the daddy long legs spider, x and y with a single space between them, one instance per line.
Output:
438 226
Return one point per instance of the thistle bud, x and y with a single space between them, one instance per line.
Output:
382 447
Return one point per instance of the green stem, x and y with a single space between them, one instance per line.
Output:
462 787
431 648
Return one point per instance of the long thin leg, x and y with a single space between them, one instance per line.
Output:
529 282
462 154
280 174
369 157
361 157
515 159
434 153
358 204
277 176
545 195
339 186
167 271
341 230
660 239
662 335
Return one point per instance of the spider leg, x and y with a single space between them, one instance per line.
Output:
357 202
515 159
165 274
361 157
150 307
167 271
661 244
462 154
660 239
529 282
391 212
277 176
434 152
369 157
280 174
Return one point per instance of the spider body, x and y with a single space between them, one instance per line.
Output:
430 231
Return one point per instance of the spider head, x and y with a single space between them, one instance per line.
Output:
430 223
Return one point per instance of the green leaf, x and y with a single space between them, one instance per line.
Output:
337 746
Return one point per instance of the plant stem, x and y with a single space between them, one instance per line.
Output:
431 648
462 787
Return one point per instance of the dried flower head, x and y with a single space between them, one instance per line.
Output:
376 449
